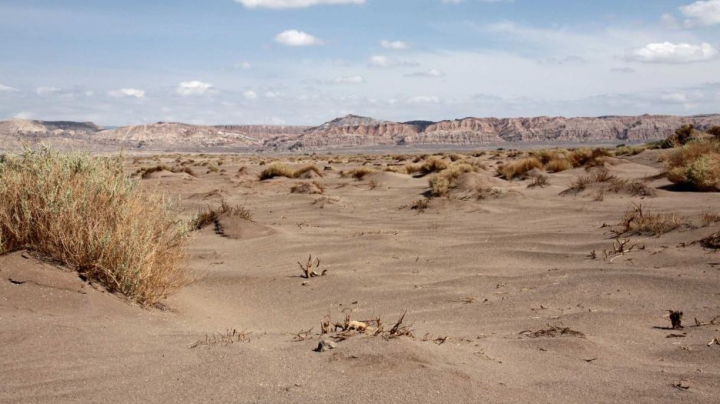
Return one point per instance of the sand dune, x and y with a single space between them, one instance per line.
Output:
476 277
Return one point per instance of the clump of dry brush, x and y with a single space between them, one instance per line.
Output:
84 212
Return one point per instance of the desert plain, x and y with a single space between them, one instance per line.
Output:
509 291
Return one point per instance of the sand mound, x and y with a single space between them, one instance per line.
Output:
308 188
240 229
40 287
479 186
388 179
164 174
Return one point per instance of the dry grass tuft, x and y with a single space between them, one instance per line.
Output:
307 172
210 216
85 213
605 182
558 164
638 221
552 332
357 173
712 241
442 183
541 181
519 168
434 165
276 170
696 165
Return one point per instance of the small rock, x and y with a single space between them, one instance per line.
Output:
325 345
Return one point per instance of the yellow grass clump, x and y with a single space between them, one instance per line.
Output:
695 165
519 168
443 182
85 213
282 170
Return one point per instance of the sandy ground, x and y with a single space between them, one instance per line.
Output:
480 275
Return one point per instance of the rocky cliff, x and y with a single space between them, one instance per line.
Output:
357 131
354 131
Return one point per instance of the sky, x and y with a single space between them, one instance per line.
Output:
304 62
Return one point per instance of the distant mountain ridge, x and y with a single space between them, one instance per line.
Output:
355 131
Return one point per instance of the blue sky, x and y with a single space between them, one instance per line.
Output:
308 61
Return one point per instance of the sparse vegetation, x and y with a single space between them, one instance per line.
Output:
310 188
85 213
638 221
282 170
210 216
540 181
519 168
695 165
443 182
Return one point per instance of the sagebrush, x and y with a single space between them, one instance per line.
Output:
84 212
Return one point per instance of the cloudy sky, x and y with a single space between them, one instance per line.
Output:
307 61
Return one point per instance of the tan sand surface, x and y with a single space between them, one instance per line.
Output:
475 278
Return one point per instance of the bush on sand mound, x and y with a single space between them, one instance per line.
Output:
84 212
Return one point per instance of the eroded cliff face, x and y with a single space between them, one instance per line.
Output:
170 135
356 131
470 131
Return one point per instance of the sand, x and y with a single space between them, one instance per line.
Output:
475 278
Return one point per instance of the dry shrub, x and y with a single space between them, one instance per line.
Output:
443 182
629 150
310 188
558 164
608 182
540 181
276 170
411 169
588 157
307 172
696 166
519 168
433 165
357 173
210 216
638 221
85 213
709 218
712 241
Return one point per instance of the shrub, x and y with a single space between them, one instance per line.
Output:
519 168
433 165
87 214
306 172
558 164
695 165
638 221
681 137
210 216
357 173
276 170
443 182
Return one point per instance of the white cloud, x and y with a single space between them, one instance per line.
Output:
296 38
424 99
395 45
349 80
4 88
387 62
193 87
127 92
293 3
668 52
626 70
47 90
429 73
702 13
250 95
243 65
